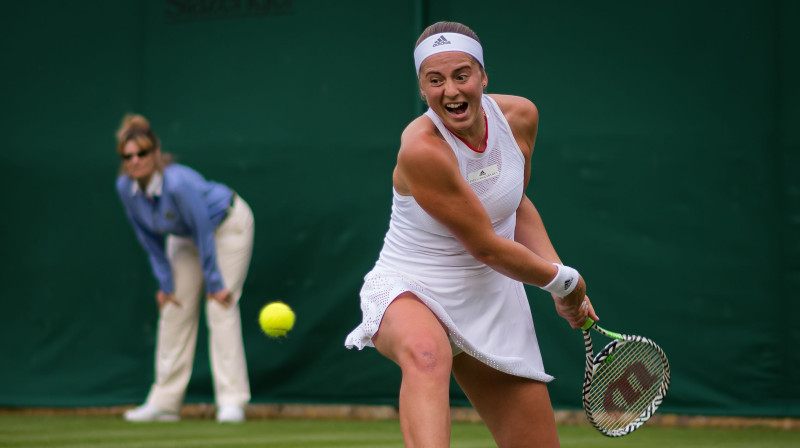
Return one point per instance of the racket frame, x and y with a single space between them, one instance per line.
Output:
592 363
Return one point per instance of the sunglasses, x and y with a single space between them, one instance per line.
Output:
141 154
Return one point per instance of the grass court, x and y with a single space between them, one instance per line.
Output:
112 432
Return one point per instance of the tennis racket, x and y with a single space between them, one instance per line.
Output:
625 382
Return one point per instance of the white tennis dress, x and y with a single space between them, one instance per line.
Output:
486 314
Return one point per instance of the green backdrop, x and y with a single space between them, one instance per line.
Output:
667 170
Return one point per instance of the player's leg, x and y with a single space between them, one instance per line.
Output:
516 410
234 240
412 337
177 326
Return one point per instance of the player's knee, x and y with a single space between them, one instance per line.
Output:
428 356
218 316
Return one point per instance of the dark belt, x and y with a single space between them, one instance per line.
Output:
229 209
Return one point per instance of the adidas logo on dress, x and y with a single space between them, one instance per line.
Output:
441 41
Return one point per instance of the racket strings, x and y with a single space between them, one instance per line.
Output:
626 383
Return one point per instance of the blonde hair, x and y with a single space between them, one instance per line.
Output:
447 27
137 129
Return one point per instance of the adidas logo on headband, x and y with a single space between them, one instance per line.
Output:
445 42
441 41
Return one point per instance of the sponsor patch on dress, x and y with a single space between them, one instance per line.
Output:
483 174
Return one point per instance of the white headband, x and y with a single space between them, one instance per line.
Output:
439 43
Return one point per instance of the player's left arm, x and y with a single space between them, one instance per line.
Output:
531 233
194 210
523 117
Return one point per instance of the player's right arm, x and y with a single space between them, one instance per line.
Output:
154 244
428 170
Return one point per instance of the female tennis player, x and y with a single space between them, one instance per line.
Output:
446 294
198 235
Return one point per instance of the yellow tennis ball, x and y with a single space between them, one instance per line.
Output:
276 319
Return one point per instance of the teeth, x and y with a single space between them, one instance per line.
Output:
453 105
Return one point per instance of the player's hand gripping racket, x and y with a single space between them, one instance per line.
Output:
624 383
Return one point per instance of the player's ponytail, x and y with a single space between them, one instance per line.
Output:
136 128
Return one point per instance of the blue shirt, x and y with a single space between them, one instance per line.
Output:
180 202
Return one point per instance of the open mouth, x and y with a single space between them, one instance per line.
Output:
456 108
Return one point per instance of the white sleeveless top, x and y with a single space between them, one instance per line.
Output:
486 314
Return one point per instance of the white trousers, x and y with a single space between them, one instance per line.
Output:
177 326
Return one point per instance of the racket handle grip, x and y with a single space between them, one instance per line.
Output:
588 324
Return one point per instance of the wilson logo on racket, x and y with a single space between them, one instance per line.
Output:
631 367
626 389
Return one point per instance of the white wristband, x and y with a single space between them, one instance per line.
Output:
564 282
